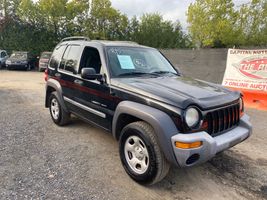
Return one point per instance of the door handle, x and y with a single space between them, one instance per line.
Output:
79 82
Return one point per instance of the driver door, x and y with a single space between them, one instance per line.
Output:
96 102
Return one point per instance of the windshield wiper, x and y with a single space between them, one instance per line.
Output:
156 73
164 72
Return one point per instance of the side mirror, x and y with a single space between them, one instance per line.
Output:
90 74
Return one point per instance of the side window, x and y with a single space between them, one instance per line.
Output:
3 54
56 56
90 59
70 59
64 58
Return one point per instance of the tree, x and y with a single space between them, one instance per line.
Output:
29 12
254 23
21 36
219 23
211 23
133 29
105 22
153 30
38 25
8 7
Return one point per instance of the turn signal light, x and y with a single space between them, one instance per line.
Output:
192 145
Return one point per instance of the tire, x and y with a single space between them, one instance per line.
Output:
28 67
58 114
138 145
2 65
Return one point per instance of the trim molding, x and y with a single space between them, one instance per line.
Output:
91 110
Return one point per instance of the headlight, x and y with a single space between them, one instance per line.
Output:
192 117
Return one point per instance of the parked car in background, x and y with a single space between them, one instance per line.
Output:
3 58
44 60
20 60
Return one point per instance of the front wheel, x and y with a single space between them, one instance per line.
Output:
141 155
58 114
28 67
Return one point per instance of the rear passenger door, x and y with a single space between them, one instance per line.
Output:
67 72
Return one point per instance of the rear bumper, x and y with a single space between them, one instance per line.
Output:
211 145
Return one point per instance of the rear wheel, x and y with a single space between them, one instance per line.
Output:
141 155
58 114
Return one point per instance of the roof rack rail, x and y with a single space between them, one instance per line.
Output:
75 38
130 42
121 41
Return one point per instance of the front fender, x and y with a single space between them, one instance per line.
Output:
161 122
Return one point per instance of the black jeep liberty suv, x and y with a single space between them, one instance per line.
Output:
159 116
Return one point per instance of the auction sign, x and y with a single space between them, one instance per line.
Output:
246 69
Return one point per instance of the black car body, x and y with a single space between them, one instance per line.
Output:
159 116
44 60
20 60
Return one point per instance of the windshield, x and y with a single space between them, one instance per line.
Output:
19 55
46 55
137 61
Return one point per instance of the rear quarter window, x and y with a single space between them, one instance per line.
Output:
70 59
56 56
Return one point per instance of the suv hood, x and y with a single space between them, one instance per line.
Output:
14 59
179 91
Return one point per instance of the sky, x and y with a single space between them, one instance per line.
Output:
170 9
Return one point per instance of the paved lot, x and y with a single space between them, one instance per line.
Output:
39 160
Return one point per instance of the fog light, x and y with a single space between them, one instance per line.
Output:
192 159
192 145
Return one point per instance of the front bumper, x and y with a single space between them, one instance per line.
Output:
211 145
43 65
17 66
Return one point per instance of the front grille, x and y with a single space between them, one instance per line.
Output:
223 119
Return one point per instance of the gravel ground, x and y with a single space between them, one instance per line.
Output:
39 160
